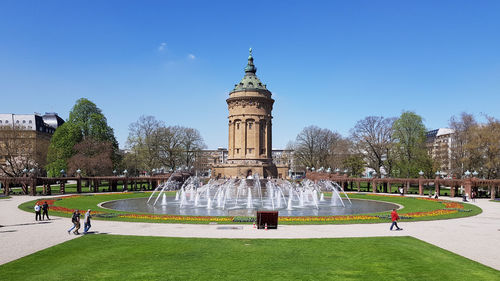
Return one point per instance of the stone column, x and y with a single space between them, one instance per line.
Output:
468 186
244 137
374 187
125 184
436 185
407 187
49 189
358 186
256 134
24 188
452 191
62 187
493 191
96 185
33 186
230 149
79 184
269 139
420 186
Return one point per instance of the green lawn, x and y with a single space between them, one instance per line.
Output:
4 197
107 257
411 205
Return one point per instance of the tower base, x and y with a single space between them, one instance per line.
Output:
244 169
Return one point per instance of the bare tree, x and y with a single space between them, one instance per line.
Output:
192 142
314 147
171 149
460 156
340 150
93 157
373 139
144 142
21 149
153 145
483 148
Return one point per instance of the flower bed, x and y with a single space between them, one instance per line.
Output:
447 204
60 209
431 213
328 218
177 218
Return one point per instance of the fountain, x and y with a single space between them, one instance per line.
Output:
242 197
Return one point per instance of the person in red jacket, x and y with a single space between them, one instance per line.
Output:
395 218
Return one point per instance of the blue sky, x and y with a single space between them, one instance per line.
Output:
327 63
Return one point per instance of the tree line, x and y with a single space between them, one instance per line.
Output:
396 147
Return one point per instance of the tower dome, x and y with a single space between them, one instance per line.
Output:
250 81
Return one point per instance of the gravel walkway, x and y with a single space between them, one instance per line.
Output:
476 238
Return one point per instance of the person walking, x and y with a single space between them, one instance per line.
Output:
75 219
38 210
395 218
86 222
45 209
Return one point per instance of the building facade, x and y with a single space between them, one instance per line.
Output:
24 141
250 129
439 143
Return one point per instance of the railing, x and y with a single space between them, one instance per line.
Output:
469 184
28 184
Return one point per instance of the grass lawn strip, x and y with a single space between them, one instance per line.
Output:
415 209
109 257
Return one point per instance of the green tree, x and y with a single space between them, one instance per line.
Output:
86 122
61 148
355 164
409 145
91 122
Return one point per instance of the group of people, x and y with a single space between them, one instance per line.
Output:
38 211
75 219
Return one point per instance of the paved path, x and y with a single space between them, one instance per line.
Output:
476 238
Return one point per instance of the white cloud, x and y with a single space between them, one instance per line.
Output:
191 57
162 47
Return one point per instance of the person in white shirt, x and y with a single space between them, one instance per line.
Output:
38 212
86 222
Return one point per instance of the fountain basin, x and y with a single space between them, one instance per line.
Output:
172 207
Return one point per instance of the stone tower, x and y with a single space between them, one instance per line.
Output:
250 128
